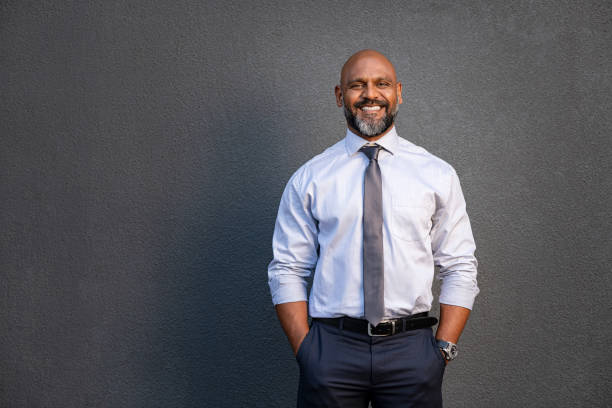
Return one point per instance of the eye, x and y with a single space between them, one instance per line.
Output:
356 85
384 84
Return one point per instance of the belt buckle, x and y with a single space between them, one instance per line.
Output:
382 335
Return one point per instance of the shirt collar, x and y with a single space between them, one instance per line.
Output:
354 143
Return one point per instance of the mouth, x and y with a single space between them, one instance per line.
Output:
371 111
371 108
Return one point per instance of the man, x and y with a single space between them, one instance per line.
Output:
371 216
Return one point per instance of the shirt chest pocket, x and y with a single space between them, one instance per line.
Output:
410 222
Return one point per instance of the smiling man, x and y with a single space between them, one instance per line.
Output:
371 216
370 94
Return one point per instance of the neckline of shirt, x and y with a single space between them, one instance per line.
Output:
353 142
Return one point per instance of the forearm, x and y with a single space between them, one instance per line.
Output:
293 317
452 322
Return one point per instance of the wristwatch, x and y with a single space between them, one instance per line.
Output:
449 349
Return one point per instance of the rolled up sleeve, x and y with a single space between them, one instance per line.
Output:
453 248
294 246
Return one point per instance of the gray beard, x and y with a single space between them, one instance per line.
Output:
370 127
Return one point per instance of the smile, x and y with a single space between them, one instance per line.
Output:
370 108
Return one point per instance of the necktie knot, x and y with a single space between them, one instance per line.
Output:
371 151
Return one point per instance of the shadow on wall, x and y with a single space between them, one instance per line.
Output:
218 339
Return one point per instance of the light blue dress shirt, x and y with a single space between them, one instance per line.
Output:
319 228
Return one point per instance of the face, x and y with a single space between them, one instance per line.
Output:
370 94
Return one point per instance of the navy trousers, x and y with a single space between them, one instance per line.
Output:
340 368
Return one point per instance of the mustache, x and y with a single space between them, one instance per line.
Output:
366 101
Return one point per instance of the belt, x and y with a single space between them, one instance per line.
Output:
384 328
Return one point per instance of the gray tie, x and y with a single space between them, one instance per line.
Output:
373 267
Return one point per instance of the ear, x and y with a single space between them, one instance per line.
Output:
399 93
338 93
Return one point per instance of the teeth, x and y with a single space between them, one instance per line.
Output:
370 108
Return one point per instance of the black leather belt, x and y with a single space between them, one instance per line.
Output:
384 328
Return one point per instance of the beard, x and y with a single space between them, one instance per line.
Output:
370 127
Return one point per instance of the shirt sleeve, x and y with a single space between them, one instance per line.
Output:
294 246
453 248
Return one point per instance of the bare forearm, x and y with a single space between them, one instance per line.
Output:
452 322
293 317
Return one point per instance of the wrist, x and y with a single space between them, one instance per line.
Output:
449 350
298 339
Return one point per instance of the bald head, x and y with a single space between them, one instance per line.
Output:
366 60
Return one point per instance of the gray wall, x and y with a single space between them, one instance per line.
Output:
145 146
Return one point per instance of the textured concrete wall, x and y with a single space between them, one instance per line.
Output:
145 145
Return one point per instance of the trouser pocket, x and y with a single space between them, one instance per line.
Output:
304 345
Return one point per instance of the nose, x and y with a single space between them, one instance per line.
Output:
370 91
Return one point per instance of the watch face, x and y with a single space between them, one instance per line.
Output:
449 349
